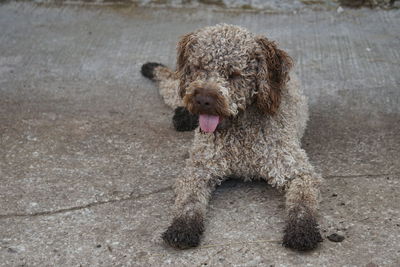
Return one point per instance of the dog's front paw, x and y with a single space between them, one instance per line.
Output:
184 232
302 234
183 120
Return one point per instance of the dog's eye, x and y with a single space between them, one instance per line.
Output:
234 75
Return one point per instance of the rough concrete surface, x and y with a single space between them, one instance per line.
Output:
244 5
89 155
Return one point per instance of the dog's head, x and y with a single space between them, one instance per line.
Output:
224 69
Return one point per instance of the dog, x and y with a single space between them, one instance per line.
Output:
235 89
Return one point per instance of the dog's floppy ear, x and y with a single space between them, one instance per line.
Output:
273 73
182 58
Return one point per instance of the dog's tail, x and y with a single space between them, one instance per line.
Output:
166 80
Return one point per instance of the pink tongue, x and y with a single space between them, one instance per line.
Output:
208 123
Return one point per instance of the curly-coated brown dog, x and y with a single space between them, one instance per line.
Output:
251 117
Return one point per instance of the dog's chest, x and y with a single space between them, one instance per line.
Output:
245 148
240 148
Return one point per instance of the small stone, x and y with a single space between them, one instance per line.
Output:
334 195
11 250
335 238
340 10
98 246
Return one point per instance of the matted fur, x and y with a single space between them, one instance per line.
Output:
264 117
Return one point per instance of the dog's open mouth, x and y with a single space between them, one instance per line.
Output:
208 123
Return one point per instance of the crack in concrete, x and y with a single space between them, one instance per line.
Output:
89 205
362 175
164 189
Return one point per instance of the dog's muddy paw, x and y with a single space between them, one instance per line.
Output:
302 234
184 232
183 120
148 69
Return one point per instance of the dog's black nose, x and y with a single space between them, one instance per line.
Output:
204 101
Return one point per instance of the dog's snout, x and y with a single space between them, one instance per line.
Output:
204 101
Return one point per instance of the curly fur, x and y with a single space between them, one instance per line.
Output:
263 116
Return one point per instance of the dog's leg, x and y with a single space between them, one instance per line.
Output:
301 231
166 80
168 84
192 195
292 172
